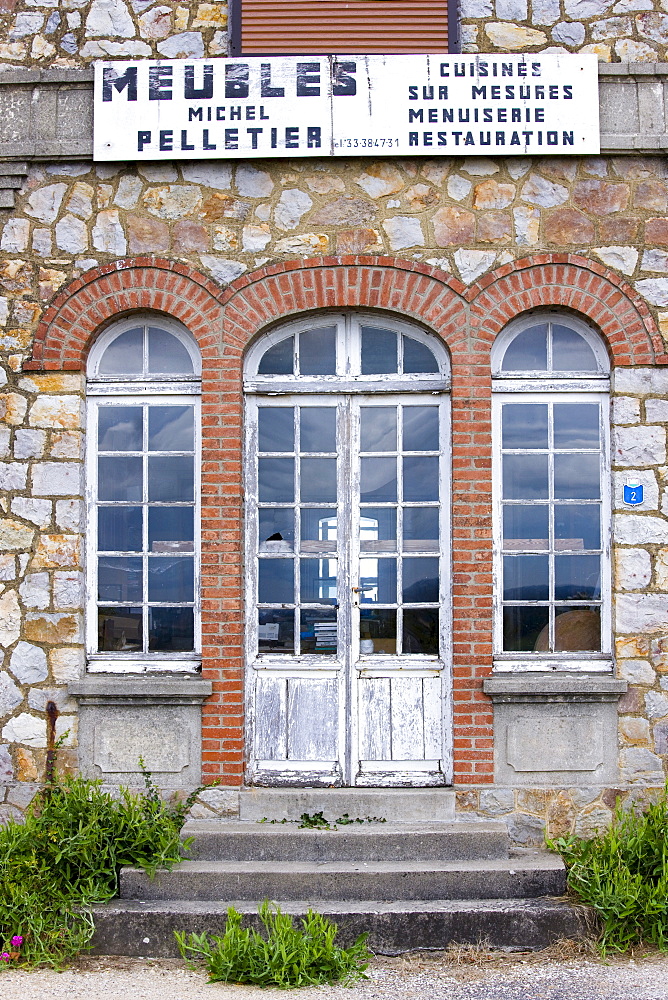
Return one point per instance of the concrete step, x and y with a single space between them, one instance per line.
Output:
131 927
531 875
396 805
238 841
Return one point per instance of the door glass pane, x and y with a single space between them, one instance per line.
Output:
119 428
418 357
119 579
379 351
166 354
171 428
317 351
318 480
576 425
171 478
124 356
276 631
421 530
317 631
378 631
378 430
171 629
420 627
526 629
119 478
119 629
279 359
378 480
318 529
527 351
571 352
119 529
170 579
420 428
577 578
378 529
577 477
276 428
525 578
318 581
525 477
170 529
420 581
524 425
525 526
276 581
318 428
577 629
577 526
378 581
276 529
276 480
420 477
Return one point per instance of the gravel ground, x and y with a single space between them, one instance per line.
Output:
470 974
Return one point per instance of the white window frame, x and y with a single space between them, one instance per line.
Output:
125 390
544 387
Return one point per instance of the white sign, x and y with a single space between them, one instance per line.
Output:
416 105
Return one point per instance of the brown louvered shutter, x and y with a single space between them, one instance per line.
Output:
290 27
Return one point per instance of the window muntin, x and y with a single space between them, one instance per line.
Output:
143 462
549 347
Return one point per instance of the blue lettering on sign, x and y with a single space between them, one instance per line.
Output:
633 494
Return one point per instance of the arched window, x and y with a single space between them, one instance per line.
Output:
347 552
143 513
552 505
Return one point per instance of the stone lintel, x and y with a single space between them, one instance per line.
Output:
153 690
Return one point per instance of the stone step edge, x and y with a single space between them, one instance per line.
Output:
548 862
239 827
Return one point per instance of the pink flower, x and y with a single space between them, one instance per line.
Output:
4 957
17 941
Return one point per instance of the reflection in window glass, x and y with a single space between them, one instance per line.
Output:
379 351
317 428
276 529
418 358
119 428
420 428
378 480
124 355
119 629
576 425
170 580
378 428
276 581
527 351
171 630
378 581
318 631
279 359
318 480
421 528
171 428
119 529
420 631
276 429
276 631
317 351
119 478
524 425
420 477
318 581
378 631
276 480
166 354
570 351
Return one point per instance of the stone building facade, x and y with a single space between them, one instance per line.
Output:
461 246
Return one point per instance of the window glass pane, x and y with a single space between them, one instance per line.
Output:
317 351
418 357
318 581
525 527
528 351
119 629
420 581
577 477
318 428
279 359
420 631
171 428
378 428
577 526
420 428
378 529
276 581
119 529
420 477
577 578
378 581
119 478
119 579
577 629
119 428
421 529
171 478
276 631
170 579
170 529
379 351
276 529
525 477
166 354
124 356
378 480
318 529
378 631
171 629
277 479
571 352
317 631
318 480
576 425
524 425
276 428
525 578
526 629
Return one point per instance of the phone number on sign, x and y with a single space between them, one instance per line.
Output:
364 143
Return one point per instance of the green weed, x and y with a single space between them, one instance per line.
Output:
286 957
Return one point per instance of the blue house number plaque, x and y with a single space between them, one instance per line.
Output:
633 494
